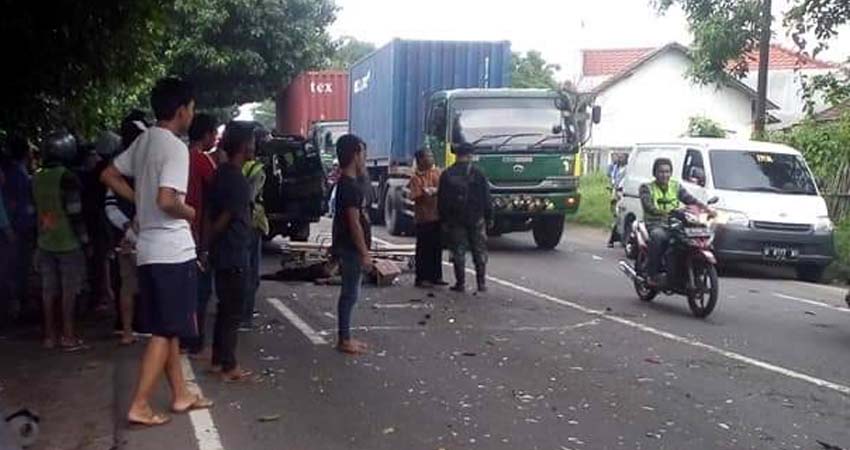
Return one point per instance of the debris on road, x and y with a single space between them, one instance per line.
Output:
828 446
389 430
269 418
723 425
809 313
653 360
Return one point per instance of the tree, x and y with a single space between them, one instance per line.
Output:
532 71
348 51
240 51
700 126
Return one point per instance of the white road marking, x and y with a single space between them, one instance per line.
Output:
811 302
329 315
402 306
302 326
840 388
206 432
381 241
833 289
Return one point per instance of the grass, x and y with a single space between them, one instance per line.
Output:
840 269
595 207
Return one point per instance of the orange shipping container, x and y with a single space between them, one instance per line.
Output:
312 97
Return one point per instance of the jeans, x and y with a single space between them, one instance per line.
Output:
230 288
659 240
252 277
205 289
349 293
428 252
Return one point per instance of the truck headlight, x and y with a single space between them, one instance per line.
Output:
729 217
824 225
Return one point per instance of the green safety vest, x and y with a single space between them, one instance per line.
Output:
54 228
665 201
258 212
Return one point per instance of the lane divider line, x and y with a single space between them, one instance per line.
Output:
302 326
790 373
368 328
206 432
811 302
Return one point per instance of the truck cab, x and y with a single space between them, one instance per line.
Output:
323 136
526 142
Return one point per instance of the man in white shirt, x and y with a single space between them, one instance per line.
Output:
167 274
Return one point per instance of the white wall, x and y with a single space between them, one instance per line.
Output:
784 87
656 102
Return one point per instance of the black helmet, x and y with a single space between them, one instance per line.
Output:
59 147
108 145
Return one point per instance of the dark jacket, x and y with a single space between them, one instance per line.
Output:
463 196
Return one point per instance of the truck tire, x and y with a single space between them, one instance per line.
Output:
547 231
376 215
810 273
299 232
398 223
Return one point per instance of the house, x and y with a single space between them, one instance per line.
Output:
646 94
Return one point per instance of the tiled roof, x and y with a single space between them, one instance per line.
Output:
613 61
610 61
782 58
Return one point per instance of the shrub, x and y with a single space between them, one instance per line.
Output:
595 207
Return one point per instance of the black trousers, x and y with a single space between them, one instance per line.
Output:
429 252
230 290
659 240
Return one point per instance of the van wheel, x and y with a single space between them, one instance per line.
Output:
810 273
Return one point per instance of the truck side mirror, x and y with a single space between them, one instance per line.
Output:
557 129
596 114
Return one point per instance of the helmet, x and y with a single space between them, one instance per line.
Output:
108 145
59 147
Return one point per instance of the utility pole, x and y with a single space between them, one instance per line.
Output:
764 64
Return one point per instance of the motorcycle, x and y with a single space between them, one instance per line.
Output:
688 266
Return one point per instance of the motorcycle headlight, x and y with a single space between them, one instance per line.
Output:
728 217
824 225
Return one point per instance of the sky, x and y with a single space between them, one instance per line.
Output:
559 29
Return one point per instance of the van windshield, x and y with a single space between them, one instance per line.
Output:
749 171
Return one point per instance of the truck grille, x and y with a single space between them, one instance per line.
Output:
787 227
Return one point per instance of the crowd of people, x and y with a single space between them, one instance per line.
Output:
152 225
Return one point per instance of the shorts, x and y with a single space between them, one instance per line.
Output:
61 272
168 299
129 277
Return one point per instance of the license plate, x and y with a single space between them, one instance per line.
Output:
780 253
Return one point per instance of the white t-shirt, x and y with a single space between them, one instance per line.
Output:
157 158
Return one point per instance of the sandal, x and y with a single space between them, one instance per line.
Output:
236 376
72 344
154 420
199 403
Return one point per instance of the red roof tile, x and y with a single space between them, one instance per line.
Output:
783 58
610 61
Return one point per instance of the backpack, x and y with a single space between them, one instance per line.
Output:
456 193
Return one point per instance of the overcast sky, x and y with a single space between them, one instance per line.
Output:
557 28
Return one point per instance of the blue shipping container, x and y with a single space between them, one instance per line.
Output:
389 89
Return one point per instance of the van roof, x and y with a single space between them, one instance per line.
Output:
727 144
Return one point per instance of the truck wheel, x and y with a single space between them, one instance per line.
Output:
299 232
376 215
398 222
547 231
810 273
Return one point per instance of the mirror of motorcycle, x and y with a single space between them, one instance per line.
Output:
713 200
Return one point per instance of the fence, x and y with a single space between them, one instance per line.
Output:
838 205
598 159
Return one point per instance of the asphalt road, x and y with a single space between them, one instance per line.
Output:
559 354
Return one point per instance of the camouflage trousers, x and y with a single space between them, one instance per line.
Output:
463 238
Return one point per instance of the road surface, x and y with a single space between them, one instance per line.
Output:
559 354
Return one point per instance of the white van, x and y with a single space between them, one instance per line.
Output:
770 209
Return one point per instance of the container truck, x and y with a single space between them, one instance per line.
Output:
413 94
312 97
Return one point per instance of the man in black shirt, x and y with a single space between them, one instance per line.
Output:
463 200
351 235
230 236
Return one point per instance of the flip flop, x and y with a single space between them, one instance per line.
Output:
243 375
155 420
198 403
73 345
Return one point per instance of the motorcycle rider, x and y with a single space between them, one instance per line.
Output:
659 198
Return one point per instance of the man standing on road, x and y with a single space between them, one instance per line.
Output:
352 235
167 274
229 237
423 191
61 237
202 137
464 204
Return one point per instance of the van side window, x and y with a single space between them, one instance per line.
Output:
693 171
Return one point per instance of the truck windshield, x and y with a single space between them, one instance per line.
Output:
761 172
528 119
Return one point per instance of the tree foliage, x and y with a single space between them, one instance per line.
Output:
83 64
700 126
532 71
348 51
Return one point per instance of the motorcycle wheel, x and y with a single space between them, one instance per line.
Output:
704 299
644 292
